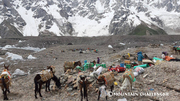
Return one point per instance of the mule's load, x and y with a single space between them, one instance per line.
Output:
129 74
128 79
46 75
108 78
70 65
6 74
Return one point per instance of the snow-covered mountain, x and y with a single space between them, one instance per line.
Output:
88 17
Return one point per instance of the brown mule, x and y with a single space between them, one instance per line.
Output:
71 65
5 81
45 77
83 85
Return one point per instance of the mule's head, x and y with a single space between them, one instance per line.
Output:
52 68
57 81
6 67
58 84
101 80
174 48
94 62
78 63
82 77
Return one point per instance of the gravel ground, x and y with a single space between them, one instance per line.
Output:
22 88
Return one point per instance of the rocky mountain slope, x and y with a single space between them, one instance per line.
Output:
90 17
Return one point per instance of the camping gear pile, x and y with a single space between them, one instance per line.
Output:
93 71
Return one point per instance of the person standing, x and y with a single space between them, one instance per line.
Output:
98 60
140 57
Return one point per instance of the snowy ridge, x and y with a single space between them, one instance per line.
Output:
90 17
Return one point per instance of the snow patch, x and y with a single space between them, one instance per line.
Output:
18 72
1 58
22 41
55 29
178 2
110 46
31 28
14 56
99 6
24 48
2 63
86 27
133 19
122 43
31 57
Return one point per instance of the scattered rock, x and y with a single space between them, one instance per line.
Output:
145 75
69 89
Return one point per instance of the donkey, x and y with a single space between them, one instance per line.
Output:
105 80
83 85
176 50
128 79
5 81
102 90
45 77
71 65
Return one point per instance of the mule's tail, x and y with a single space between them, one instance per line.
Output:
36 85
4 83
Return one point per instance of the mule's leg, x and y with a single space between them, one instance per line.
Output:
4 89
4 92
86 95
36 89
40 85
99 93
8 84
131 86
175 52
46 86
81 93
8 91
5 95
49 85
106 97
112 87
